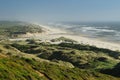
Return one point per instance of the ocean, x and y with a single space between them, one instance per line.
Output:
106 31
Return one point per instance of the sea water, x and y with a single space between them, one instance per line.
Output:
108 31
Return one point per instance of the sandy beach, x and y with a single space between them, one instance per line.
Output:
56 33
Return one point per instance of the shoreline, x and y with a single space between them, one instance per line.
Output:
56 33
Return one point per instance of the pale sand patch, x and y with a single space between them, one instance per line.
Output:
40 74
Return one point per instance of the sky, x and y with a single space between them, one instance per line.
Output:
60 10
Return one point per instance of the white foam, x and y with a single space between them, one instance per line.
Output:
96 29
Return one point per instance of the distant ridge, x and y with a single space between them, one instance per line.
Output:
11 29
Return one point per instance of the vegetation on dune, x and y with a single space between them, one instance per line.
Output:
63 39
12 68
114 54
115 71
20 68
14 29
82 57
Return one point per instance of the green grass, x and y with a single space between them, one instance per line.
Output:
9 29
17 69
14 68
65 62
79 56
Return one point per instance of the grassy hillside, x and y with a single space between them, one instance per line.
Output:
35 60
13 29
14 68
26 60
82 56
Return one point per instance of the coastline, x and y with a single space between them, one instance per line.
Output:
56 33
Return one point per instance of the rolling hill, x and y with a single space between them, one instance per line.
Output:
33 59
23 60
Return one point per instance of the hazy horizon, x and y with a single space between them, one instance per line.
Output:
62 10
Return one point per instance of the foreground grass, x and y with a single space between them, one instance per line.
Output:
89 63
14 68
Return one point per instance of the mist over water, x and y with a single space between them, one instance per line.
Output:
108 31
